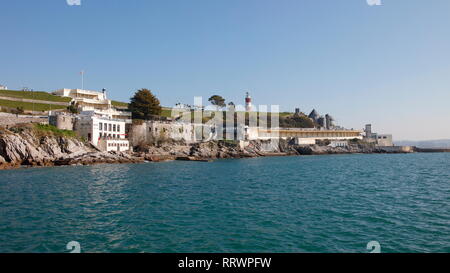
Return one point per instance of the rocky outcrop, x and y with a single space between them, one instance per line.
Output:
26 147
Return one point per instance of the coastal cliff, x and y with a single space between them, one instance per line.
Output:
27 145
30 145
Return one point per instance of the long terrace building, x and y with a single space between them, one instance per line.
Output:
302 135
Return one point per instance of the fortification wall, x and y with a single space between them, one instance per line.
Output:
61 121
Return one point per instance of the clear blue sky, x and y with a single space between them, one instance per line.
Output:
388 65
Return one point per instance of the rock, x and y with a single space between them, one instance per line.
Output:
192 158
24 147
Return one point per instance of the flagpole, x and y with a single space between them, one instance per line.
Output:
82 79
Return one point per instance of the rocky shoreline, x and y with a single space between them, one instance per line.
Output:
25 146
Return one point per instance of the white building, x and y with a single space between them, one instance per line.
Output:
99 122
302 136
338 143
109 145
93 102
3 87
107 134
384 140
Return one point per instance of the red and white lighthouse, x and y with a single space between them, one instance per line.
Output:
248 103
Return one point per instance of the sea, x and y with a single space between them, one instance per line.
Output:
295 204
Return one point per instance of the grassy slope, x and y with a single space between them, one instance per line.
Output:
30 106
46 129
119 104
39 95
35 95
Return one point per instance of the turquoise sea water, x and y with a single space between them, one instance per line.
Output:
284 204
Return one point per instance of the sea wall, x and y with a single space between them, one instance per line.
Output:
432 150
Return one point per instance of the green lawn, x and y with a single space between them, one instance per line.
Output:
30 106
119 104
35 95
208 115
166 112
50 129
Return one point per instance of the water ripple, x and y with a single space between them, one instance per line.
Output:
290 204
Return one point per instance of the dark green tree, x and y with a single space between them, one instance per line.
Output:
217 101
144 105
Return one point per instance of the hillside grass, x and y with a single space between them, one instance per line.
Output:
35 95
119 104
286 119
29 105
46 129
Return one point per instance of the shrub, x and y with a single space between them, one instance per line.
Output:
50 129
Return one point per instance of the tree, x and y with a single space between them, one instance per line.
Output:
144 105
18 111
72 108
231 106
217 101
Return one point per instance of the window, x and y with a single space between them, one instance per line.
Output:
118 128
109 127
101 126
114 128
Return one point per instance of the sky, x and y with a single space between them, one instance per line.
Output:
388 64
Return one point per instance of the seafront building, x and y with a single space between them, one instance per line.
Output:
3 87
384 140
92 101
98 121
111 129
302 136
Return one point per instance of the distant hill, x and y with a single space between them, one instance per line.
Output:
441 143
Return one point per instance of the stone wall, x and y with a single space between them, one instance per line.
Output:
150 132
11 119
62 121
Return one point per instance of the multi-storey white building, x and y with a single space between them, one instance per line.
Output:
2 87
107 134
93 101
99 122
